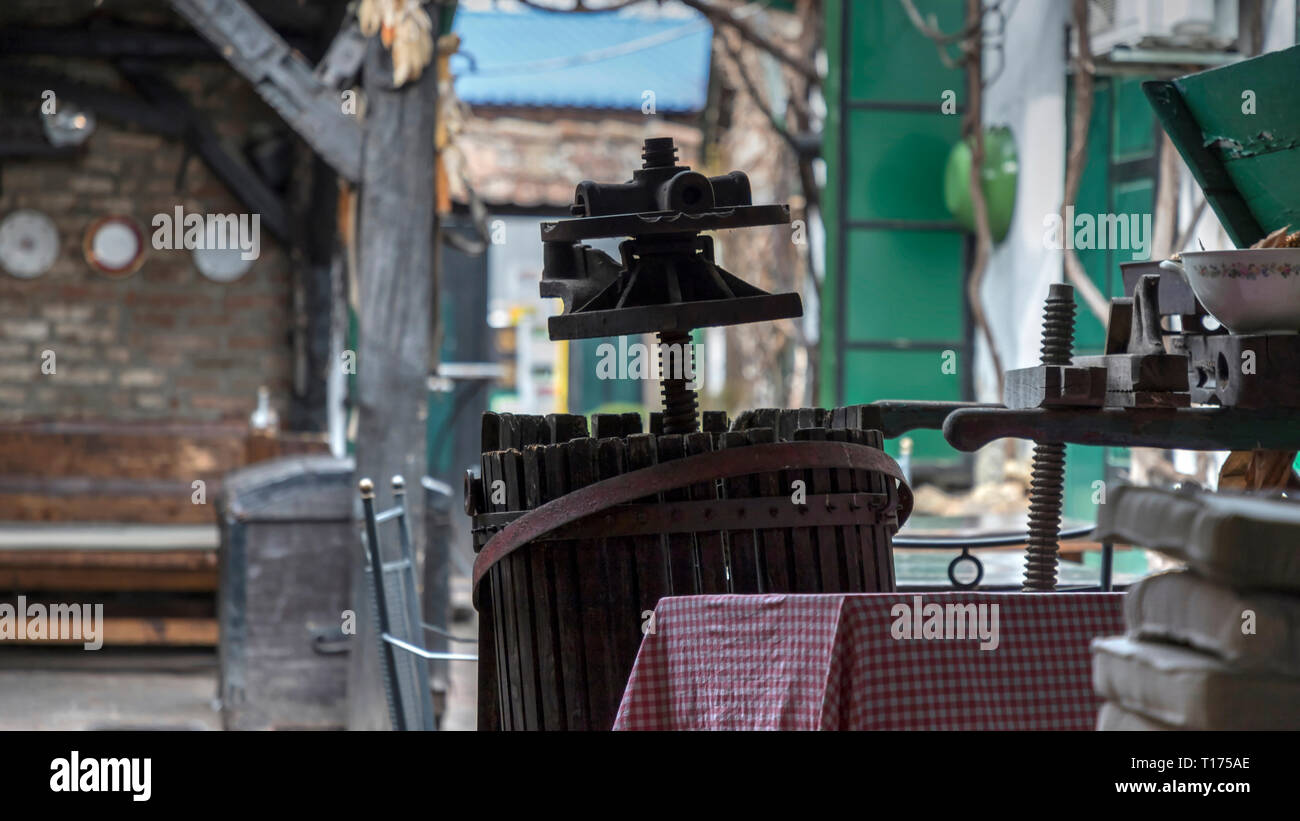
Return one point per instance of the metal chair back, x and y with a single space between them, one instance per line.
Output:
395 608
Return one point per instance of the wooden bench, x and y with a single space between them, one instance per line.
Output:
113 508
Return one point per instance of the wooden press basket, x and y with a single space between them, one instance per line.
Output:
586 535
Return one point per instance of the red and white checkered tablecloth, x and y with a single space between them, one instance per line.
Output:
806 662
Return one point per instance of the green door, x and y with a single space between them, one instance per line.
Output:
893 310
1118 179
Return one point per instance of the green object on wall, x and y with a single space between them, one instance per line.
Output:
998 177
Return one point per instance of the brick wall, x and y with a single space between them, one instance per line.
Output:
534 157
165 342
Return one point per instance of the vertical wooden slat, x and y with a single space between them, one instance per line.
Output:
489 706
807 563
884 529
491 473
777 567
568 612
651 551
745 563
508 659
622 627
507 433
631 424
532 430
869 532
847 536
540 558
876 553
709 545
764 418
787 422
605 425
564 427
512 590
714 422
519 568
683 556
590 589
819 481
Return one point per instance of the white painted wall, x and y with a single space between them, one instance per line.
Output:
1028 97
1279 24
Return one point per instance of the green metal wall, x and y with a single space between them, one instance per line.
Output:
895 261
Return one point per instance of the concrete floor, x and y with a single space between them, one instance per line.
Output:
462 700
142 689
70 689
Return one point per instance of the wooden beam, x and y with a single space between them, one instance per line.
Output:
282 77
396 298
315 276
247 186
154 561
314 297
341 64
132 631
103 580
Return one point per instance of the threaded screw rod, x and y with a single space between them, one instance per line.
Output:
1047 478
681 405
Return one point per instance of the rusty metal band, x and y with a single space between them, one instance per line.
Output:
759 513
703 467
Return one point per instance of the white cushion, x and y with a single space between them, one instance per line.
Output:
1191 690
1113 717
1184 608
1242 541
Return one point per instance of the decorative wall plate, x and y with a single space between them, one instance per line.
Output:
29 243
221 264
114 246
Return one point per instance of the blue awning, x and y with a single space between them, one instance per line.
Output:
538 59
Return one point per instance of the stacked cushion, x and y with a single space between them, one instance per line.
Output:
1114 717
1214 646
1190 690
1242 541
1183 608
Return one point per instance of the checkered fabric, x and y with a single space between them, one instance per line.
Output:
787 662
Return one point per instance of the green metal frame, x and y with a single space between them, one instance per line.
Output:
896 263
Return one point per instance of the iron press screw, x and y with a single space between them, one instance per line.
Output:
1047 478
681 405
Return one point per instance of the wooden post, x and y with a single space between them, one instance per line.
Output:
395 252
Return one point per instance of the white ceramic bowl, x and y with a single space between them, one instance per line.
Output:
1250 291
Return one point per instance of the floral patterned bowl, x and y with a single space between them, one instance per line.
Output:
1251 291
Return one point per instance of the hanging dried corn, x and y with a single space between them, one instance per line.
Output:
405 30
